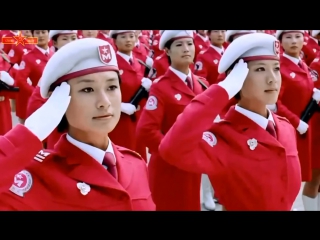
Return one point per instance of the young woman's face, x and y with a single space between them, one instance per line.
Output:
90 33
125 41
43 37
263 82
292 43
182 51
95 105
26 33
217 37
64 39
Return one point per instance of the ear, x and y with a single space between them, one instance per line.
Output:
167 51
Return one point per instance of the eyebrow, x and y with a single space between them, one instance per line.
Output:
91 81
277 63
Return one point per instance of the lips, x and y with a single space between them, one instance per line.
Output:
103 116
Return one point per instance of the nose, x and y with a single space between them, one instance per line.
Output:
186 48
103 101
271 78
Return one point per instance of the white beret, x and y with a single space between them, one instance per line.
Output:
53 33
114 32
280 32
314 32
75 59
250 47
168 35
232 33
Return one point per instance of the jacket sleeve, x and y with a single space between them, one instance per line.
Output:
282 110
149 125
17 148
186 144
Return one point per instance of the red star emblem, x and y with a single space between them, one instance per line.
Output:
20 39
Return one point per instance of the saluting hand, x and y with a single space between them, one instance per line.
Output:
43 121
235 79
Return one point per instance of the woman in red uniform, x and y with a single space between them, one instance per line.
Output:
89 33
31 67
59 38
172 188
315 136
311 46
141 52
251 163
5 108
131 81
207 60
87 171
155 51
296 81
161 62
201 41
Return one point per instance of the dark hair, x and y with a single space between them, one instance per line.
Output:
55 39
64 125
32 31
168 45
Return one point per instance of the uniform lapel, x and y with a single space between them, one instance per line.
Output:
124 167
84 168
197 88
178 84
123 64
250 129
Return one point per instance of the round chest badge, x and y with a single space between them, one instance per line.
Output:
22 183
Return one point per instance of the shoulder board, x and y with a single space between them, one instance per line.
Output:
131 152
158 79
202 82
146 47
281 118
42 155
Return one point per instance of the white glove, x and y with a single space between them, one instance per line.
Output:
128 108
149 61
29 81
43 121
146 83
272 107
6 78
303 127
316 94
234 81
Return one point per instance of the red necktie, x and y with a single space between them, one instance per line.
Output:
300 64
271 129
110 163
188 81
130 61
46 54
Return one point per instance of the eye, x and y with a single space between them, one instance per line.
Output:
277 69
87 90
190 43
178 44
112 88
260 69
